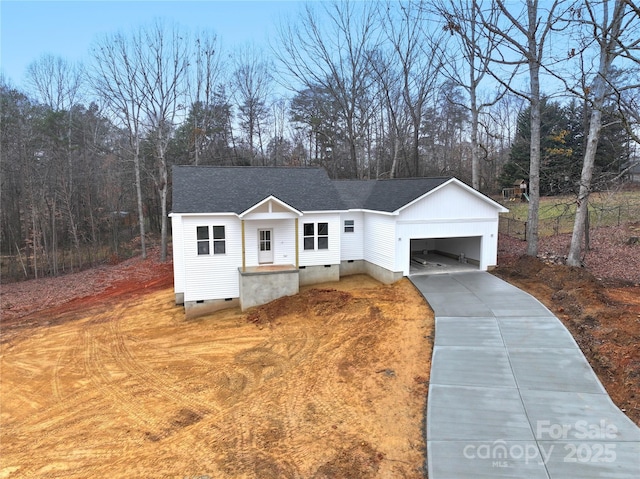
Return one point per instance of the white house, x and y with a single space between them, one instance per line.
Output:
248 235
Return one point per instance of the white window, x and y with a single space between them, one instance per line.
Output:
219 242
309 234
204 237
349 226
323 235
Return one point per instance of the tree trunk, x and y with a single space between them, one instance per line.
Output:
416 147
136 163
164 193
534 166
353 156
607 55
35 244
394 163
575 249
475 158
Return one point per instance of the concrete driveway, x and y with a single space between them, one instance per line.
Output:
511 394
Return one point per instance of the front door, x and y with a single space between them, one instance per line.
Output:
265 246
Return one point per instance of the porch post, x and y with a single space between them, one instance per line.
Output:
297 245
244 266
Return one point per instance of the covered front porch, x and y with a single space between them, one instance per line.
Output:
274 260
269 235
269 253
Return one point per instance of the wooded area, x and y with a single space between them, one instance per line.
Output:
484 91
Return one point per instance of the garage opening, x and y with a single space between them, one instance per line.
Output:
445 255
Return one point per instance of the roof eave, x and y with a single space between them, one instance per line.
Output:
267 199
204 213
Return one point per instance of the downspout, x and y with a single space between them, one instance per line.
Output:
244 263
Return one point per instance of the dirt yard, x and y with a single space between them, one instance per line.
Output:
331 383
598 303
101 375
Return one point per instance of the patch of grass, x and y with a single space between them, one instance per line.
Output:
557 213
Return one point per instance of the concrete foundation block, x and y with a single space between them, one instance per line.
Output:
258 288
382 274
319 274
348 268
194 309
179 299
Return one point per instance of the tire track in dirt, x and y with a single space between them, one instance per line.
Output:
95 369
227 381
135 367
220 396
51 426
268 362
320 400
55 374
109 350
293 400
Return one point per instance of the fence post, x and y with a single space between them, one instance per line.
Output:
525 231
619 213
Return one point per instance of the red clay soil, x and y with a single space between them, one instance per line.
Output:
75 292
329 383
603 315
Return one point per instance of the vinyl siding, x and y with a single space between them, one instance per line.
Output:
451 202
178 253
380 239
212 276
283 241
318 257
352 244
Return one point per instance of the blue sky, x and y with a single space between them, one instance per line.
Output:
30 29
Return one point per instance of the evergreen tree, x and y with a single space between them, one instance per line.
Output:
563 133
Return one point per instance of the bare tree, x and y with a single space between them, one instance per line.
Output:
332 53
607 27
389 82
499 128
524 34
469 65
203 84
252 83
115 78
418 53
58 84
279 110
162 57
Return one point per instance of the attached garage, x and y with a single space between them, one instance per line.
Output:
450 224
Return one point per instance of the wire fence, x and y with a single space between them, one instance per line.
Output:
599 216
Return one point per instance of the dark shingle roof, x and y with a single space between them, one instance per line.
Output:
354 193
211 189
385 195
214 189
